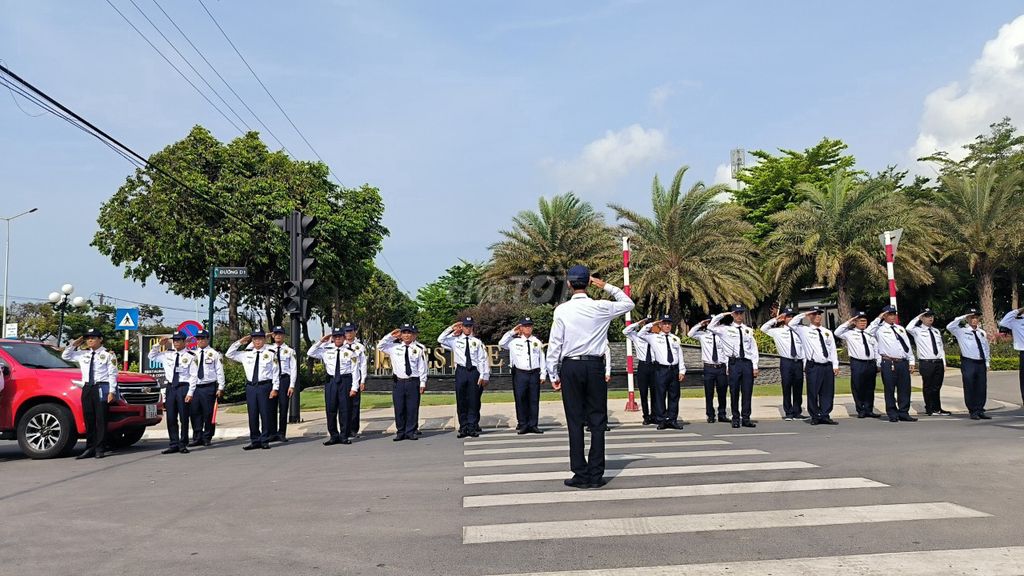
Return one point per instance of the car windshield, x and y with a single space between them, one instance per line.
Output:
32 355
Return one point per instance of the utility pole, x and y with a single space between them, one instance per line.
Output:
299 284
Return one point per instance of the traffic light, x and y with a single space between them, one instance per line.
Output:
306 245
292 302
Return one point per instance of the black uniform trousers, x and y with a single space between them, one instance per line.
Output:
659 394
405 396
975 380
715 381
792 374
94 412
176 410
338 405
467 397
741 379
353 425
585 400
257 401
526 387
279 409
932 374
896 380
645 384
821 389
1020 375
668 385
862 384
201 411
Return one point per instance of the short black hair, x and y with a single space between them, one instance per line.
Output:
579 284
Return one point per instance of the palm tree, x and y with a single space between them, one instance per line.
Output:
833 235
564 231
980 215
696 247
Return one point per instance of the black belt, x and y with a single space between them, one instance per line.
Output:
737 359
96 384
585 357
813 363
973 359
260 383
457 366
852 359
710 365
660 365
923 360
527 371
893 359
205 384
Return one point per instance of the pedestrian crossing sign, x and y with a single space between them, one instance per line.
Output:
126 319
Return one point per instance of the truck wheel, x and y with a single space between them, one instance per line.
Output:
125 437
46 431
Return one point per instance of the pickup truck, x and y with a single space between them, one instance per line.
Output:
41 402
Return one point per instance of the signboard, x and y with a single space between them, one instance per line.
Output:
894 236
11 330
190 328
147 341
229 272
126 319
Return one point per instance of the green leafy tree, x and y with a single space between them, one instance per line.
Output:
441 301
379 308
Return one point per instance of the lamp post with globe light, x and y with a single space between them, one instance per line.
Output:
62 302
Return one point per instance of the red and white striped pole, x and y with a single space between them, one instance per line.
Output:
889 258
631 405
126 350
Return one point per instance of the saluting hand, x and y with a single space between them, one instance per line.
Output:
396 333
246 339
597 283
78 341
325 338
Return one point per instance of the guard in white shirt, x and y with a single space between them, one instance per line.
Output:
262 381
716 380
863 363
289 366
409 369
644 370
579 333
472 371
526 356
791 362
210 374
1014 322
359 350
821 364
975 361
181 374
738 340
341 366
896 361
669 371
99 387
931 358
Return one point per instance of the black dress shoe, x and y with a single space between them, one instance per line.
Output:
100 454
735 423
250 446
171 451
893 419
711 419
675 425
474 434
88 453
332 442
908 419
723 418
413 437
576 482
861 415
647 420
398 438
598 483
345 441
195 443
185 450
206 442
521 431
984 416
944 413
874 415
274 438
749 424
461 434
830 422
535 430
815 421
265 446
283 439
798 417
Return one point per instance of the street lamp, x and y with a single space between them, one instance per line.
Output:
62 301
7 259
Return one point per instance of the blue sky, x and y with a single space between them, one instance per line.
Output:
464 113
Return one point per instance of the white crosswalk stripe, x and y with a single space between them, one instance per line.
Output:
564 440
610 446
616 458
643 472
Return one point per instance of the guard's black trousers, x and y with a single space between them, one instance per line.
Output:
585 399
668 385
645 384
821 389
526 387
863 375
467 397
741 380
792 374
201 411
177 414
932 374
353 426
1021 375
896 380
279 409
406 398
257 401
975 380
94 411
338 405
715 381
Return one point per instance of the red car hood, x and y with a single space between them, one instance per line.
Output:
122 377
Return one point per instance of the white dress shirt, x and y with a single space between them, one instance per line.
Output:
965 336
785 339
641 351
104 370
343 358
928 340
477 351
607 360
660 344
858 344
188 366
213 369
708 342
359 350
580 326
287 362
1014 322
891 340
397 352
524 353
268 369
812 338
737 339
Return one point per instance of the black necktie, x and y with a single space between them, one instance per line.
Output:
792 345
529 354
743 353
200 355
668 348
714 348
337 364
408 365
864 339
902 341
174 379
981 351
821 338
256 369
469 359
277 352
935 345
92 368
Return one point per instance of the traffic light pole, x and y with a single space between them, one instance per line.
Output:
300 281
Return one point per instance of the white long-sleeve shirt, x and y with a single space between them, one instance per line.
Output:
858 344
1014 322
738 339
968 339
477 351
334 358
287 363
580 326
187 366
267 364
397 352
359 350
928 340
891 340
213 368
661 344
818 341
786 340
524 353
103 362
641 350
607 360
708 342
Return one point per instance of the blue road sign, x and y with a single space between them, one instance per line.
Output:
126 319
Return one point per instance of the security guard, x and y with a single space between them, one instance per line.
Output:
181 373
526 356
931 356
713 356
210 375
821 363
409 372
1014 322
262 382
341 365
791 362
357 348
289 366
975 361
472 371
579 332
743 360
896 360
669 370
644 369
99 387
863 363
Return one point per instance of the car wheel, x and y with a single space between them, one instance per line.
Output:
46 431
125 437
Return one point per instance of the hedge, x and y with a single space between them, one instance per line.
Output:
998 362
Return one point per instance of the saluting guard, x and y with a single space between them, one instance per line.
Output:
526 357
739 342
210 387
341 365
931 358
181 373
975 361
359 350
262 382
821 364
896 361
1014 322
99 387
644 371
472 371
791 362
409 370
863 363
289 366
716 381
669 370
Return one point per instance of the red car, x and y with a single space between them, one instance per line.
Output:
41 403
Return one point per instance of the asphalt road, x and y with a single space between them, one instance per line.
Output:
380 507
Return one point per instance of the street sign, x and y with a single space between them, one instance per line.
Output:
190 328
229 272
894 236
126 319
11 330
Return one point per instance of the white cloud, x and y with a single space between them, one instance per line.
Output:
659 96
604 161
723 175
957 112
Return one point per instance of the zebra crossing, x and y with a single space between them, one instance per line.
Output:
520 479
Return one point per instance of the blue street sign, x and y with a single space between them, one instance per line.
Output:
126 319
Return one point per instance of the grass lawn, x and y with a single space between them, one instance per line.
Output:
313 399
